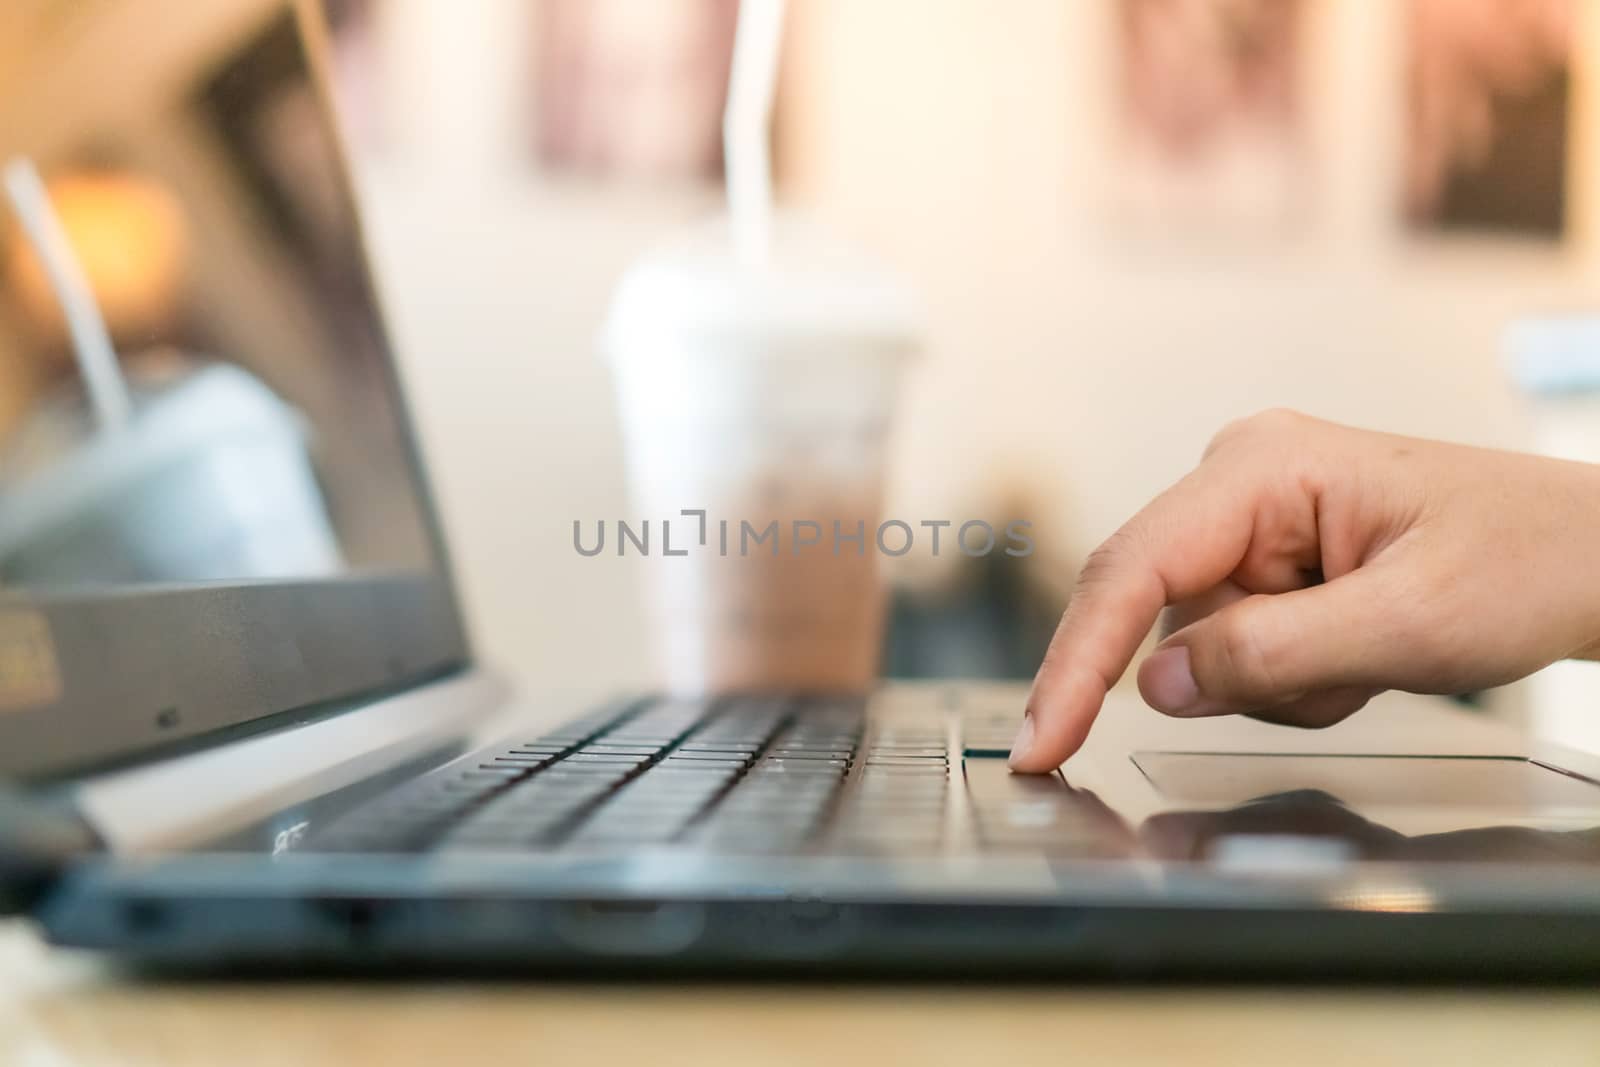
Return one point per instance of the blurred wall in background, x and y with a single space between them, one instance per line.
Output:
1080 356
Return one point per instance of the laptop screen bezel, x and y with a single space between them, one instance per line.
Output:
146 671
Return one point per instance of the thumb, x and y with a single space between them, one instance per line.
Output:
1268 650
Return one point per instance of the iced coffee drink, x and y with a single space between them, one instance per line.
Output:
755 406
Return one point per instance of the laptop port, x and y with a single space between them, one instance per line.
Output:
143 918
357 919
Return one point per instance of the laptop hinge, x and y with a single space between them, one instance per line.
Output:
39 838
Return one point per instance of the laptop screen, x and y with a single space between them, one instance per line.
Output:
206 475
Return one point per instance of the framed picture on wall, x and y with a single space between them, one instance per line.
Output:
1488 105
1208 124
632 90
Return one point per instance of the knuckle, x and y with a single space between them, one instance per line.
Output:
1270 423
1277 420
1104 562
1223 437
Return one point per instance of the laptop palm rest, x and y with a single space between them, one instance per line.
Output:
1512 785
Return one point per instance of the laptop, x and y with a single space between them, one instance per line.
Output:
241 724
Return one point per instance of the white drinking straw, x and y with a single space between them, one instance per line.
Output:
91 341
746 122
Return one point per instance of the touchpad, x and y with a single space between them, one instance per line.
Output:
1509 783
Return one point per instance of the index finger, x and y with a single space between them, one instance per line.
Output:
1182 543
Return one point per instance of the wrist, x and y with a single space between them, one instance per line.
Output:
1590 650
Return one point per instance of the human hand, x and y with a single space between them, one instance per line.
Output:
1306 567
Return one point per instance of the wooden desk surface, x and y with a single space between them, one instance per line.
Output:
60 1010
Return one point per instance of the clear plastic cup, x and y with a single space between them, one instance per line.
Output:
1555 362
759 395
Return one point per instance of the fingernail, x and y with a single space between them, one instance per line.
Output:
1169 683
1023 742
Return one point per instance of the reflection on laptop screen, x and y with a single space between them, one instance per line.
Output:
199 183
210 508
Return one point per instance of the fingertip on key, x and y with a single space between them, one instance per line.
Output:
1023 745
1045 739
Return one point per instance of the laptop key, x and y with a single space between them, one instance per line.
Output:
806 766
472 787
561 740
799 789
505 772
695 770
652 823
688 793
899 780
525 759
696 762
847 742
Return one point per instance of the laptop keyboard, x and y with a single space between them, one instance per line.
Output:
745 775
